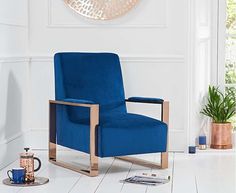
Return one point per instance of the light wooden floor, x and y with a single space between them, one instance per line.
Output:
205 172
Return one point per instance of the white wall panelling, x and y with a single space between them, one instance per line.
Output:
14 40
133 59
15 59
14 78
151 41
156 40
116 36
146 14
20 10
14 98
13 28
138 71
9 150
201 63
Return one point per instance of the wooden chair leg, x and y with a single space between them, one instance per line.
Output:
165 119
164 160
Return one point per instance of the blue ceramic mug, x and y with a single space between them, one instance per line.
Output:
17 175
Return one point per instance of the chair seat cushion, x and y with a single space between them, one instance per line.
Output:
126 134
118 135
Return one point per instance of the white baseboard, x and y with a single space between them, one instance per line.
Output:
39 139
177 140
10 149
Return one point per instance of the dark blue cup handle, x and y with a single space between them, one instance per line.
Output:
9 175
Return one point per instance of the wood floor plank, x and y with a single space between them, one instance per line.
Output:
111 181
200 173
164 188
90 184
184 173
3 175
60 179
138 170
216 172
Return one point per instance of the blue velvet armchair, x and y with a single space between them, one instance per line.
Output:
89 113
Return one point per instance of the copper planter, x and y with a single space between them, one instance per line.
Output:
221 135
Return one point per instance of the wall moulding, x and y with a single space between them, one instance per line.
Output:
133 59
14 59
14 145
20 17
13 137
88 23
12 24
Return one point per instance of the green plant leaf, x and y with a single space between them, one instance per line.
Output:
220 107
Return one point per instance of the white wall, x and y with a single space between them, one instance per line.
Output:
14 78
151 41
164 47
203 63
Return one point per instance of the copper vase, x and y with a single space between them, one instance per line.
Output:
221 135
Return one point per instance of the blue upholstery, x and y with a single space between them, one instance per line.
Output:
78 101
127 134
95 78
145 100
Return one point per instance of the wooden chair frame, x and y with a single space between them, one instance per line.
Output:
94 122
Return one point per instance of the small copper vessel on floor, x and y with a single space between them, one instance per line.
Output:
221 136
27 162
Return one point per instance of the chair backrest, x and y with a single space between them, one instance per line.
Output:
90 76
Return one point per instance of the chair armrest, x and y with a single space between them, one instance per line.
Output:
145 100
164 105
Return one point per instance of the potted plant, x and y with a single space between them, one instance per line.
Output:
220 108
